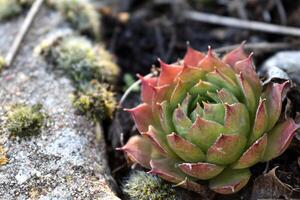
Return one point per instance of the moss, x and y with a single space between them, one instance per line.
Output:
24 121
2 63
81 14
10 8
95 101
143 186
80 60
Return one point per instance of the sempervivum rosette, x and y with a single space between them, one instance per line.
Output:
206 118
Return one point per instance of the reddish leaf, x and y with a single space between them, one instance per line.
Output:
226 149
138 149
279 139
142 116
235 55
192 57
230 181
201 170
253 154
184 149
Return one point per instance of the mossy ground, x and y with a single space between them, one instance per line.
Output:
92 70
24 121
143 186
10 8
81 14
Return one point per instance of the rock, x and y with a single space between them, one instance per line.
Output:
283 65
65 161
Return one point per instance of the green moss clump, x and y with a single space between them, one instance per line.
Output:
95 101
80 60
24 121
2 63
81 14
143 186
10 8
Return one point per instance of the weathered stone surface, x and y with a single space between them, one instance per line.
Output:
284 65
67 160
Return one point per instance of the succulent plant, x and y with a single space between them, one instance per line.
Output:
206 118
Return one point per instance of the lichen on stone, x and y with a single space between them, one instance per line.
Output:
78 58
3 158
95 101
10 8
143 186
81 14
24 120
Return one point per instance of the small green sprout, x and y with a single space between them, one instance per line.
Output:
23 120
143 186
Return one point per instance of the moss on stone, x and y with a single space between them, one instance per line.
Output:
2 63
81 14
78 58
10 8
95 101
143 186
23 120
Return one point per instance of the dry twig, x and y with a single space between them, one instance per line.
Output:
260 46
238 23
23 31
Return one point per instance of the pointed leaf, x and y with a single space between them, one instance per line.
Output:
197 112
191 74
230 181
209 62
162 93
168 73
204 133
248 95
260 122
181 122
274 95
179 93
253 154
214 112
202 87
142 116
279 139
147 90
236 119
202 171
165 168
192 57
227 97
138 149
222 81
214 97
158 139
226 149
247 68
235 55
184 149
165 115
185 103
